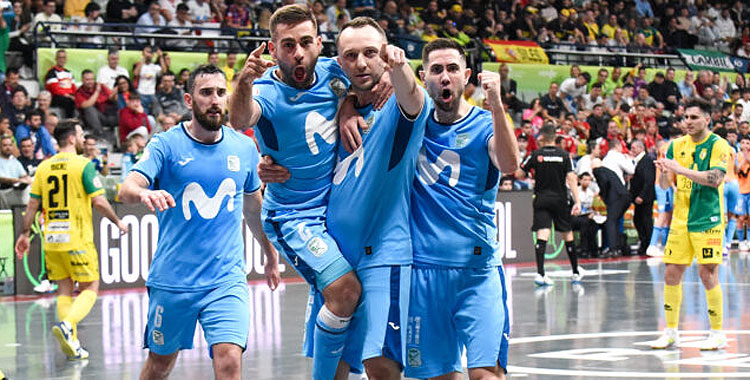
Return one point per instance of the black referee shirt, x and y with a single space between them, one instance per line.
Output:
550 165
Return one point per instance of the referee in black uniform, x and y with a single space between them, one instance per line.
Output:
552 170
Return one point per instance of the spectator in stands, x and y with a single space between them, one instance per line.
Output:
9 85
92 39
182 20
134 144
123 87
20 25
238 15
14 180
745 101
644 96
598 121
506 184
686 86
584 221
121 11
593 98
662 91
610 27
593 151
152 19
602 77
167 123
200 11
96 103
534 114
572 91
451 31
146 73
50 123
18 109
726 29
33 128
527 129
47 15
26 158
334 11
132 117
554 108
169 8
523 145
93 153
229 69
182 78
59 82
613 103
674 37
643 7
107 74
6 131
170 100
429 33
487 23
509 88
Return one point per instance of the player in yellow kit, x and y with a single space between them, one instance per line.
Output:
699 161
65 185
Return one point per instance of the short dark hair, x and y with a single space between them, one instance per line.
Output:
11 70
584 174
596 85
548 132
23 139
586 76
440 44
65 129
703 105
292 14
91 8
182 7
86 71
89 136
212 52
133 95
35 112
361 22
202 70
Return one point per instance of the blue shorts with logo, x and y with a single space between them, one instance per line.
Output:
223 312
733 201
664 198
303 239
453 308
378 326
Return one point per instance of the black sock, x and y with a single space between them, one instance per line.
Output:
541 246
571 248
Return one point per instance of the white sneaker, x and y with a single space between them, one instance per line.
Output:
669 339
577 277
743 246
44 287
540 280
652 251
716 340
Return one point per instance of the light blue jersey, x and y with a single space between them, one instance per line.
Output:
454 195
298 130
200 240
368 212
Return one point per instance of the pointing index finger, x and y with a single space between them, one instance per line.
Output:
259 50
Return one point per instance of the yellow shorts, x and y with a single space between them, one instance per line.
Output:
81 266
683 246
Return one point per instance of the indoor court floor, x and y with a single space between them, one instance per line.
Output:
600 330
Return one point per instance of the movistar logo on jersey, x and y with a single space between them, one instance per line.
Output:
343 166
317 124
429 172
208 207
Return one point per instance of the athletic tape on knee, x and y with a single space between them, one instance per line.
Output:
331 320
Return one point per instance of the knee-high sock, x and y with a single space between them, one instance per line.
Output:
571 248
540 247
656 236
63 306
731 228
664 236
330 336
715 301
80 308
672 301
741 233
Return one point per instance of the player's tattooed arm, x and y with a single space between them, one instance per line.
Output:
715 177
711 177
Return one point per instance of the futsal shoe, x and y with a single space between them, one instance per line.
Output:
80 352
652 251
45 287
577 277
669 339
716 340
63 331
540 280
743 246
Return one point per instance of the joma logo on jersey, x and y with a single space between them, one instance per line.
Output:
429 172
208 207
316 124
343 166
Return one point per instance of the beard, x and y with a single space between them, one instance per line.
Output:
442 105
288 76
208 123
79 149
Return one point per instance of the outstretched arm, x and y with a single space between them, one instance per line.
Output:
245 111
135 189
410 98
251 208
503 146
712 177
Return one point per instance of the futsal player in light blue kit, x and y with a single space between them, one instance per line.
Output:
201 177
293 108
458 296
368 212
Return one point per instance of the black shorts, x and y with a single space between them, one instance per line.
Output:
551 209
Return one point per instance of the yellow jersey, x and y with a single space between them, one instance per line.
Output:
65 183
697 207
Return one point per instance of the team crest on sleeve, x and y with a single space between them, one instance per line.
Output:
97 182
317 246
338 87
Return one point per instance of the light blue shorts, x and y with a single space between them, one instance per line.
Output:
378 326
224 315
303 239
451 309
732 198
664 198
